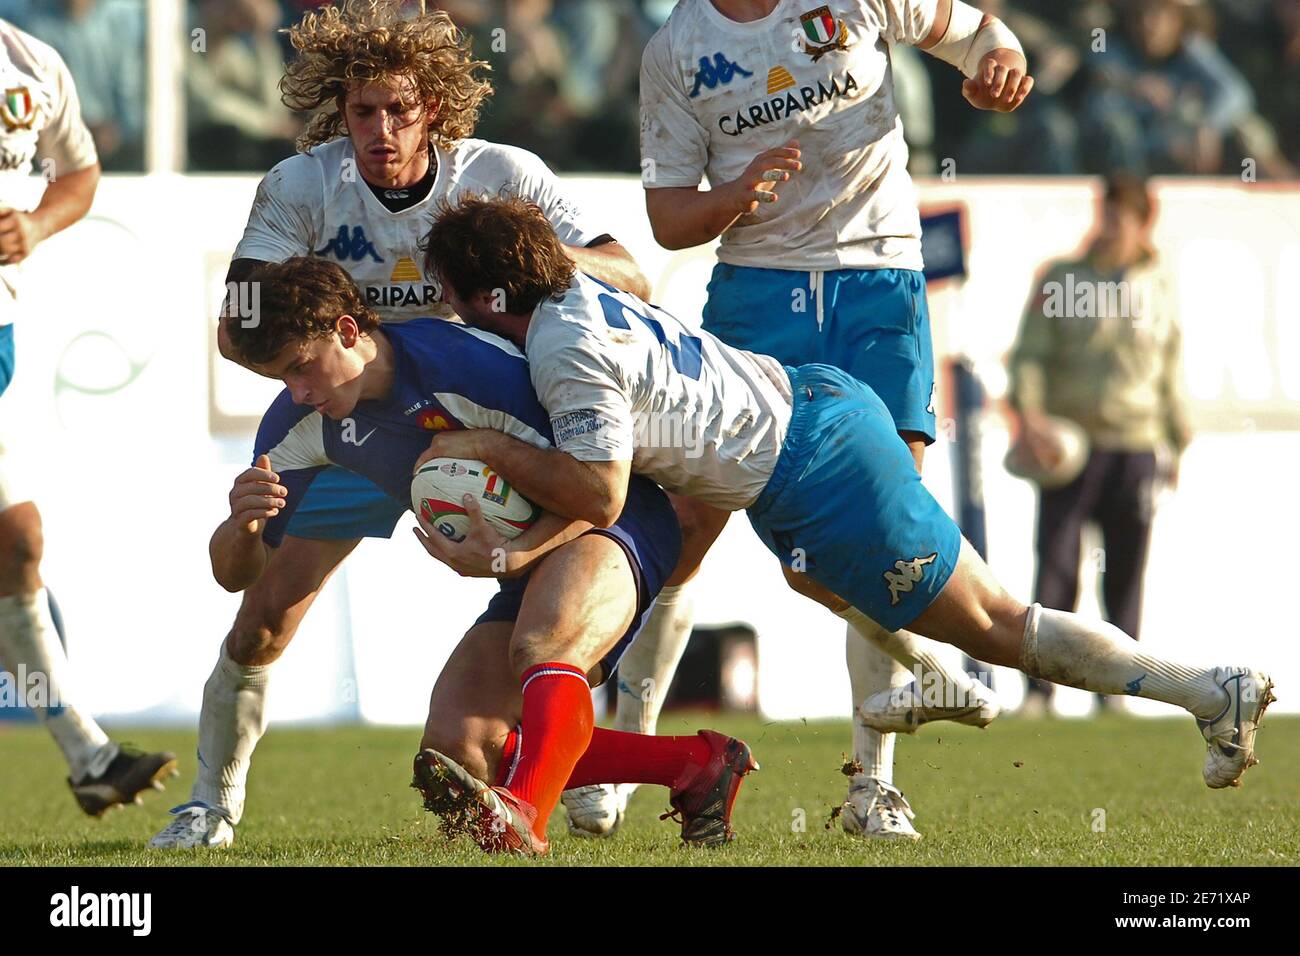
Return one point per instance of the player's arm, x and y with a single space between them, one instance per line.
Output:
66 199
237 551
685 216
607 260
979 44
590 491
675 152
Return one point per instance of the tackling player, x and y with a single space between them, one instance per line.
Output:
396 101
41 116
789 108
513 703
811 453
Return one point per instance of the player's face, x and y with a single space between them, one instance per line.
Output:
389 129
323 373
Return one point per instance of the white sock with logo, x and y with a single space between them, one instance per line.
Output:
934 679
871 670
1070 649
646 670
231 723
31 652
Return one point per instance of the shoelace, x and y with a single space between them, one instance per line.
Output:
892 804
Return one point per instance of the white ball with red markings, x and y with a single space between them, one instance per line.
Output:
439 487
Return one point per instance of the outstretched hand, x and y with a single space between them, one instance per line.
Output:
1001 83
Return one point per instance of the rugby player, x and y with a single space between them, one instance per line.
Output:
513 704
789 108
41 116
396 101
809 452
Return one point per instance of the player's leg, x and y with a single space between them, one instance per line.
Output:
233 716
1061 515
974 612
646 671
1125 513
916 571
101 773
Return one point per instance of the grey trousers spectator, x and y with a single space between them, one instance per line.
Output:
1116 491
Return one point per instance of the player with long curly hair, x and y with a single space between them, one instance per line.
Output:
396 99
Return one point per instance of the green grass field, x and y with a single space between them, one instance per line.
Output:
1019 793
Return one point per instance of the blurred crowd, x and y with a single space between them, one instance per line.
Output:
1146 86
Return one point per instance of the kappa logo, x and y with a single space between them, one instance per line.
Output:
349 246
906 575
720 71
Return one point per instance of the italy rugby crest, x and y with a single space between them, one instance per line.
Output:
823 33
17 109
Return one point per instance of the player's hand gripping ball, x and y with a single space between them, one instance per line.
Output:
440 485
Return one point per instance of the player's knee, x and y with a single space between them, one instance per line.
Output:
260 634
22 545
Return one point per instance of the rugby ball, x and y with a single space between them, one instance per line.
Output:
1072 454
439 487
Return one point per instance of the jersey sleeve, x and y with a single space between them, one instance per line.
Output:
65 138
903 21
674 146
290 435
540 185
280 224
591 416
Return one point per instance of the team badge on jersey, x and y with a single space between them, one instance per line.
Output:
823 33
17 109
906 576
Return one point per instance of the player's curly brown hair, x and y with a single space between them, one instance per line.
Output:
364 41
295 301
506 243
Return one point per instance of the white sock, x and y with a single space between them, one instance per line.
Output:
231 723
1073 650
647 668
30 650
871 670
918 654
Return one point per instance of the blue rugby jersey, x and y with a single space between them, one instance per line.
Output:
446 376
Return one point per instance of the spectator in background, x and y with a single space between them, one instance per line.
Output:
1161 97
236 119
1099 345
102 42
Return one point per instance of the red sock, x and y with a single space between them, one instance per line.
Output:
617 757
509 753
552 735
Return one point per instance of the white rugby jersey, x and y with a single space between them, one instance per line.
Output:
40 115
622 380
715 93
316 203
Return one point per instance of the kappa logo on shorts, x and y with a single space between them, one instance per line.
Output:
906 576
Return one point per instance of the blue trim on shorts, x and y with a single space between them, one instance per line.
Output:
6 356
650 536
340 505
875 326
845 502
